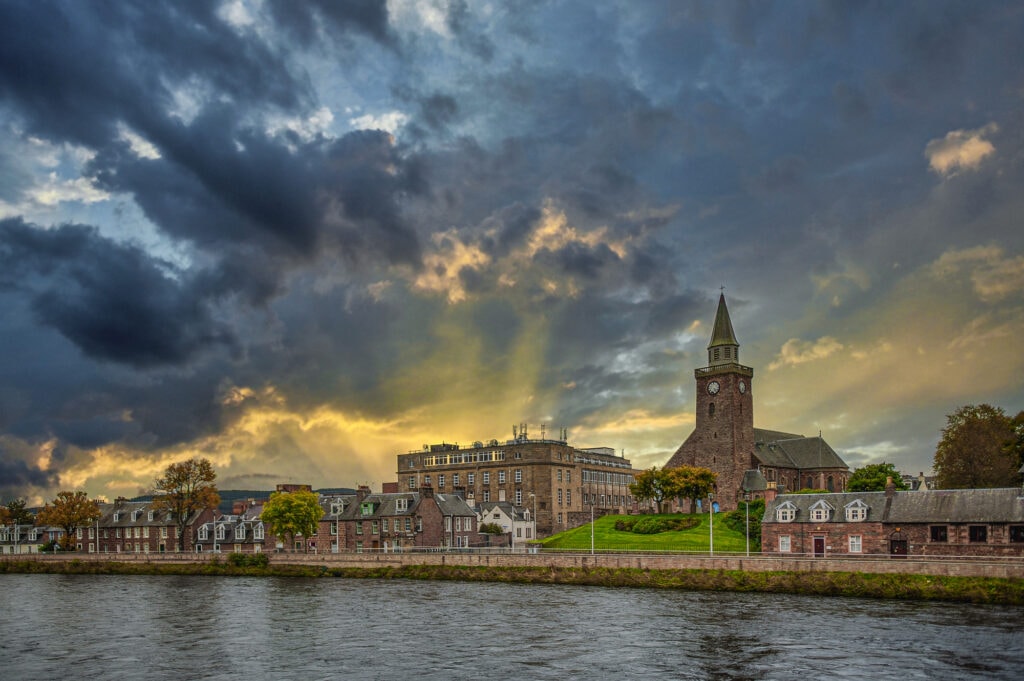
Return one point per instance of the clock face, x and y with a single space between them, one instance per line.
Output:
743 386
713 388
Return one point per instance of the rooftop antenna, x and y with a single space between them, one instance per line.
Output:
515 432
543 430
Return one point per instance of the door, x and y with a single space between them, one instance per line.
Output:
819 547
898 548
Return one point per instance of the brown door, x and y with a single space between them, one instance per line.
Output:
898 548
819 547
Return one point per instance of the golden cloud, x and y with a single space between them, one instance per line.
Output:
796 351
960 149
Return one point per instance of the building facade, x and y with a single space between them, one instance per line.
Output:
725 440
956 522
550 477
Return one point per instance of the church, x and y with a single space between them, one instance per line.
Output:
726 441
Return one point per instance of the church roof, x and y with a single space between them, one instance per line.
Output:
722 333
789 450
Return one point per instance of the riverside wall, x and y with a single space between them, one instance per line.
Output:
958 567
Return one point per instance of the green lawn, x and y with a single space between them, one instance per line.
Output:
607 538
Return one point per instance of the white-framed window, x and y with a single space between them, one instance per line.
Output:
487 477
240 533
374 527
408 524
220 531
519 497
559 518
568 476
204 533
559 497
458 524
856 511
784 544
145 532
470 478
149 516
568 497
78 533
786 513
455 479
519 475
501 477
440 481
419 524
163 532
447 523
401 504
855 543
412 482
559 475
821 511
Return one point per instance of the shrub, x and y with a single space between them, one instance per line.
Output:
258 560
491 528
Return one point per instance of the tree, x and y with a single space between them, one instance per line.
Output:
693 483
17 514
977 449
185 488
69 511
655 485
290 514
872 478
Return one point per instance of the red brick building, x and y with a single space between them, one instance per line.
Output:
963 522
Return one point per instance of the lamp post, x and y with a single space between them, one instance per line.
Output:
746 502
711 522
534 497
591 528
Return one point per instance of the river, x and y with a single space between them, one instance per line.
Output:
149 627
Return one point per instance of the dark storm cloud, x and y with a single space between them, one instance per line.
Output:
16 475
307 19
113 301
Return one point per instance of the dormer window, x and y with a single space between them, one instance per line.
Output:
135 516
150 516
821 511
856 511
240 533
117 516
786 513
366 508
401 504
257 532
204 533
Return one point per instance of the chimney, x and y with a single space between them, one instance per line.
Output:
361 493
890 488
427 492
922 482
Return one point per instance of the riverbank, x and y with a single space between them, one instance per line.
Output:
983 590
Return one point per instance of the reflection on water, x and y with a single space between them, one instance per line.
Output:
115 627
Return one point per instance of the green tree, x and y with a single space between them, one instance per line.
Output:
654 484
977 449
290 514
183 489
17 514
69 511
693 483
872 478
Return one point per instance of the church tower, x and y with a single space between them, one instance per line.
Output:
723 438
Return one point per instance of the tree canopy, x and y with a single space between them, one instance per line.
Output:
872 478
978 449
16 513
69 511
658 485
290 514
185 488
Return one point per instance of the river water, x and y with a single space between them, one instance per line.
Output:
117 627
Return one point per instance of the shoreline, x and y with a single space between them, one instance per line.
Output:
900 586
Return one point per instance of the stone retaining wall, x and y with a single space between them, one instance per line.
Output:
1006 568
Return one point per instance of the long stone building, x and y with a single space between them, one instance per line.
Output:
560 484
725 440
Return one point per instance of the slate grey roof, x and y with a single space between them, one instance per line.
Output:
386 505
789 450
929 506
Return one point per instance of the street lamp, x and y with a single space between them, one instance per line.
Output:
534 497
591 528
711 521
746 502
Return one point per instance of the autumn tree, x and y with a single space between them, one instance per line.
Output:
977 449
654 484
183 489
290 514
692 482
872 478
69 511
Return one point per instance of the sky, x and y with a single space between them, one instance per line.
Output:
298 239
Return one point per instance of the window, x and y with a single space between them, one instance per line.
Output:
401 504
821 511
145 532
559 475
458 524
1016 534
487 478
204 533
784 544
559 518
447 523
568 497
855 543
939 533
257 532
150 516
519 497
487 495
711 408
455 479
559 498
359 527
440 481
163 533
240 533
786 513
419 524
334 527
412 482
568 476
519 475
426 480
408 524
470 478
501 477
978 534
374 527
856 511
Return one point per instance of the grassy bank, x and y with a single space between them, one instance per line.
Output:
985 590
696 537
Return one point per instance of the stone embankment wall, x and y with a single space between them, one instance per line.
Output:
964 567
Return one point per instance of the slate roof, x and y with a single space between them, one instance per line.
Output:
722 333
386 505
790 450
923 506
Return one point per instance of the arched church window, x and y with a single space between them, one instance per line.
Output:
711 408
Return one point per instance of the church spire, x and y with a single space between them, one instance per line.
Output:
724 348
